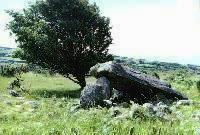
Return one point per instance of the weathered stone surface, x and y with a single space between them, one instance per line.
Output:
104 82
184 102
13 93
136 85
91 95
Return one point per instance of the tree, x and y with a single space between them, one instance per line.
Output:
65 36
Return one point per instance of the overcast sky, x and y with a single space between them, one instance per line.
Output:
165 30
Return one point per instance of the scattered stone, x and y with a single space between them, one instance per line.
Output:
74 108
148 107
33 104
179 115
196 116
136 111
108 103
162 110
115 112
183 102
13 93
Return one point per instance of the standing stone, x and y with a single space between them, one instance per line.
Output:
93 95
104 82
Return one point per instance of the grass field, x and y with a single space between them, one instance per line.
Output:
50 108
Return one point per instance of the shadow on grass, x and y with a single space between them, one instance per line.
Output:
57 93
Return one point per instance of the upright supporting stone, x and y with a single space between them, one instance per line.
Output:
93 95
105 83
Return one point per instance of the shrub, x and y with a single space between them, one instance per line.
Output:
12 70
198 85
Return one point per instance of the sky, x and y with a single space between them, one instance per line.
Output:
164 30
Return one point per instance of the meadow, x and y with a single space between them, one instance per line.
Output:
50 107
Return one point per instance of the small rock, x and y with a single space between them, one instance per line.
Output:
108 103
183 102
74 108
13 93
33 104
179 114
115 112
196 116
136 111
148 107
162 110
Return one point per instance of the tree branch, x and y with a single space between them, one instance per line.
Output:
75 81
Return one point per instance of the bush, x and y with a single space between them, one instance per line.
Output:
198 85
12 70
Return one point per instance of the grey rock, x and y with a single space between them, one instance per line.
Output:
196 115
104 82
162 110
74 108
183 102
149 108
136 111
92 95
108 103
13 93
33 104
136 86
115 112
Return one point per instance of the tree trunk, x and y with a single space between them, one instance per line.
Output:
81 81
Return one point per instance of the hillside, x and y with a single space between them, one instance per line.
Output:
157 66
5 56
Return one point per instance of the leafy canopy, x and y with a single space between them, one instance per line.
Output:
65 36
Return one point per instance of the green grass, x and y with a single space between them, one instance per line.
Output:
54 114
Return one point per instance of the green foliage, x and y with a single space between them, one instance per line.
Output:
65 36
11 70
156 75
18 53
198 85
